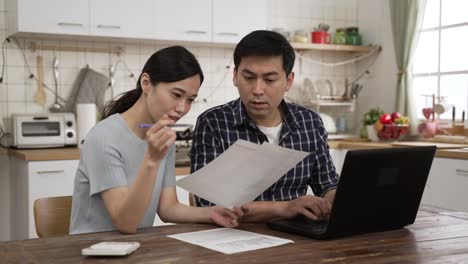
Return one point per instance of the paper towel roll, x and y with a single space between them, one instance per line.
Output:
86 119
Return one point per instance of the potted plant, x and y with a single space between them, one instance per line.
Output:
369 118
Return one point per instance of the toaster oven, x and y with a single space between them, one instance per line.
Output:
43 130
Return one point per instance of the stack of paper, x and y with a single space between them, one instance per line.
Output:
241 173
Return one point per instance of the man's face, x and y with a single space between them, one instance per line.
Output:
262 82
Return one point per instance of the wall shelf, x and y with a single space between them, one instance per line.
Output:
333 47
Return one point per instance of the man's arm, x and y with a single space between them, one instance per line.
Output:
313 207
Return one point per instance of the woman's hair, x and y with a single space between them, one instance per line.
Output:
171 64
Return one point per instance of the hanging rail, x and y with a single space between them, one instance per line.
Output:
115 50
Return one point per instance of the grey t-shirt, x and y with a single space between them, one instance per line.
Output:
110 158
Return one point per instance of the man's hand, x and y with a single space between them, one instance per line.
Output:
224 217
313 207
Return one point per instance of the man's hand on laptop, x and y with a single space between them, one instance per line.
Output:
313 207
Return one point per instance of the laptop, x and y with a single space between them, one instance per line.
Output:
378 190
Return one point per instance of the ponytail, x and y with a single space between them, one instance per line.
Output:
124 102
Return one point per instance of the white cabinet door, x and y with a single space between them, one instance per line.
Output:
49 179
139 19
447 184
34 180
232 20
338 157
108 17
185 20
50 16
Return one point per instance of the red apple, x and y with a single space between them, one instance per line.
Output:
395 115
385 119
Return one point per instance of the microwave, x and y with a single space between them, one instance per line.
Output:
43 130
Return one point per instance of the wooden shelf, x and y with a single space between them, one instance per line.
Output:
332 47
333 102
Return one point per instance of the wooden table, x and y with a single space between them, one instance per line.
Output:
436 237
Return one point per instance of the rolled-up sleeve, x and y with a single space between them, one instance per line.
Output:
324 176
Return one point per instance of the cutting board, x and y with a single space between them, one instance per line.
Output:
422 144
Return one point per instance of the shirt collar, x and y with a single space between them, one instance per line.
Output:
241 117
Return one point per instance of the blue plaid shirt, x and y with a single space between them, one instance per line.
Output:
219 127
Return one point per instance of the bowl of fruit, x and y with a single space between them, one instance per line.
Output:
389 127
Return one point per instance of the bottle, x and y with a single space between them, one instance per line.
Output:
340 37
353 37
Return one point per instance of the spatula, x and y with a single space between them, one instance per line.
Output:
40 97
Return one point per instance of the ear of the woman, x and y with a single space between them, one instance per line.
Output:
145 83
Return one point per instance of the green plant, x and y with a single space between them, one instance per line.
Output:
371 116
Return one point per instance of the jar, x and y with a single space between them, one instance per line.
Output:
300 36
340 37
352 36
283 32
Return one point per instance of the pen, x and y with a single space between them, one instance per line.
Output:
150 125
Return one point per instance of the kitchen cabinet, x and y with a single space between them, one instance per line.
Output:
32 180
67 17
122 18
177 20
232 20
184 20
447 184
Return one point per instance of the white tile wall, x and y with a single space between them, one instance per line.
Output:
17 91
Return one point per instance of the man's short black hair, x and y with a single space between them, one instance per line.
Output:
265 43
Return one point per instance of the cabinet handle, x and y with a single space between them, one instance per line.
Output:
67 24
195 32
51 172
462 172
227 34
109 26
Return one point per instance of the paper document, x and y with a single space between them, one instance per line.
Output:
241 173
229 241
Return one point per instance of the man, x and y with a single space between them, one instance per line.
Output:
263 63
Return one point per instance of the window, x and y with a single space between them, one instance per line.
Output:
440 63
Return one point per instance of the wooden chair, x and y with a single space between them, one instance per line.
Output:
191 199
52 216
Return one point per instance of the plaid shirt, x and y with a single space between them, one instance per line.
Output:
219 127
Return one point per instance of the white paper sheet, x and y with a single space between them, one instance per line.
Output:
241 173
229 241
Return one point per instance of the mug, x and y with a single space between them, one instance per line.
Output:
321 37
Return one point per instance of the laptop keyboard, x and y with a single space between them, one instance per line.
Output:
303 223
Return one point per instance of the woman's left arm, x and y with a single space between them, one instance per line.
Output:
170 210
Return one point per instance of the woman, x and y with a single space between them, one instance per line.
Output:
127 173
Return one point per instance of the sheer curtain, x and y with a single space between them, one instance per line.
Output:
407 17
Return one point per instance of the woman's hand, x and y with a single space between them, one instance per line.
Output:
224 217
160 137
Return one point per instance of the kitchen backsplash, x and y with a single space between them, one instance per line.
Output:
17 90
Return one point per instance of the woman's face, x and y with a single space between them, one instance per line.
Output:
174 99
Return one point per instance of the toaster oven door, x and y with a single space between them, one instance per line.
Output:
40 134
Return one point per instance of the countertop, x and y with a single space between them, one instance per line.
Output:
74 153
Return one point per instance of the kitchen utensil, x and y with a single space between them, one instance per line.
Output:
56 106
40 97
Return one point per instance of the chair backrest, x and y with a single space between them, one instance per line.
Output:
191 199
52 216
